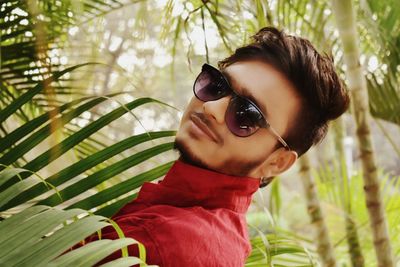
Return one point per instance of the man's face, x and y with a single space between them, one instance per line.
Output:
229 154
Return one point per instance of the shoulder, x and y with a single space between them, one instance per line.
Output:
197 237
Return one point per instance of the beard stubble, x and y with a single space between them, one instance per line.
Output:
235 167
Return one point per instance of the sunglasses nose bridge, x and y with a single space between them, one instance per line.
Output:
217 108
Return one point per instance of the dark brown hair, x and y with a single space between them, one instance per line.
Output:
313 75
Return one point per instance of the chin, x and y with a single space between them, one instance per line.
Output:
187 155
233 167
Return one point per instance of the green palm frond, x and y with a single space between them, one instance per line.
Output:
22 188
42 236
29 31
279 250
20 141
380 41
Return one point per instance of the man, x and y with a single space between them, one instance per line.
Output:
249 121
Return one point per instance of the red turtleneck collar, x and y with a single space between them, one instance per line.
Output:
187 185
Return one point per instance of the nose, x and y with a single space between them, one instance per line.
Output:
217 108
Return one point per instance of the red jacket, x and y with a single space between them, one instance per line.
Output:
194 217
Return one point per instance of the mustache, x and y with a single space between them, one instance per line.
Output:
207 122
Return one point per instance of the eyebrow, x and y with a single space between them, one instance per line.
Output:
246 93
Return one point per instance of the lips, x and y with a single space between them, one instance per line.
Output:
203 126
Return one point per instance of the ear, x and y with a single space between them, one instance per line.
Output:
278 162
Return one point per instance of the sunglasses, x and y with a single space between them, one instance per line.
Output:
242 116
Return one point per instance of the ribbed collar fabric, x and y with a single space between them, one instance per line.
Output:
186 185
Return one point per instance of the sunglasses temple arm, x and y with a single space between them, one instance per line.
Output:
280 139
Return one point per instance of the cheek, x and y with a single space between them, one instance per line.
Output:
190 107
244 148
193 105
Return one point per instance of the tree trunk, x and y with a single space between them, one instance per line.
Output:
356 256
324 246
344 14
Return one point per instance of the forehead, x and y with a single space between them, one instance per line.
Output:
271 91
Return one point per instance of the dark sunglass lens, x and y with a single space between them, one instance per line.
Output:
210 86
242 118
